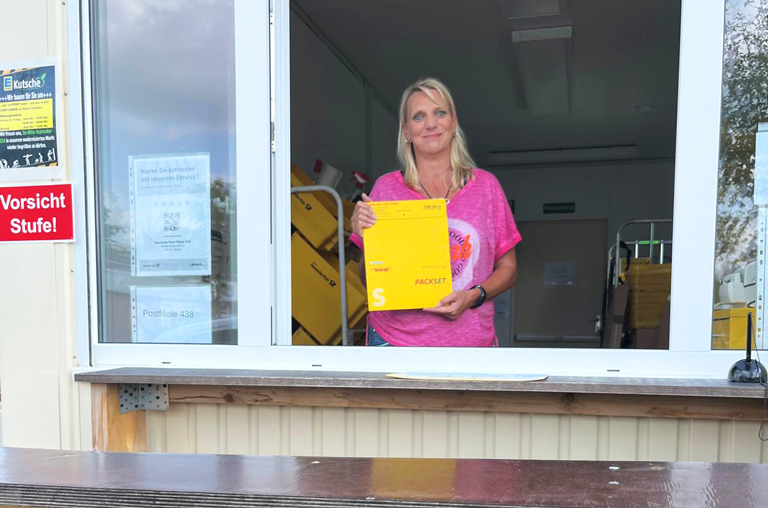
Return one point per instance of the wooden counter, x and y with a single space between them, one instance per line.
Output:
91 479
592 396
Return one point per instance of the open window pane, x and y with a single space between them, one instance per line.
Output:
571 105
164 102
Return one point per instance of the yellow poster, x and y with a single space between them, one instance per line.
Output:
407 257
29 120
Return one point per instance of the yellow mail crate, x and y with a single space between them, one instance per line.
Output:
729 328
314 214
407 257
302 338
315 291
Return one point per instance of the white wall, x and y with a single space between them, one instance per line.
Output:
615 191
328 112
41 403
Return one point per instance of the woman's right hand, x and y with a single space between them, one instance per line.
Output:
363 216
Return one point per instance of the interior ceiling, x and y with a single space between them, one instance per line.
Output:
613 82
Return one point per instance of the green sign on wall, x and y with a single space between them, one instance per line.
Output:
552 208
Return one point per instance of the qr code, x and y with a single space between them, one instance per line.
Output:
171 221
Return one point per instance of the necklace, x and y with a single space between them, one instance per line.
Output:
430 197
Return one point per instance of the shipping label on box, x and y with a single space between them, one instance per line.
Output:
407 256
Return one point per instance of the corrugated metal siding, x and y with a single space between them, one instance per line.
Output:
273 430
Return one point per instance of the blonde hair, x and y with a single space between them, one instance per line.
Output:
461 162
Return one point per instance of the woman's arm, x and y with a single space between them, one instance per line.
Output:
503 277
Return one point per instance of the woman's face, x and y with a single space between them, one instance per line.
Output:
428 124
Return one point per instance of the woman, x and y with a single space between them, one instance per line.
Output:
482 231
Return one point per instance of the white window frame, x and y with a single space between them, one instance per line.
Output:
253 162
696 169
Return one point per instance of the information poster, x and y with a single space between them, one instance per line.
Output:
171 314
559 273
170 215
29 121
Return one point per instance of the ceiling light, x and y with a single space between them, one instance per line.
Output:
542 34
600 153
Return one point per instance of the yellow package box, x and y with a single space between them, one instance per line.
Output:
729 328
315 291
407 258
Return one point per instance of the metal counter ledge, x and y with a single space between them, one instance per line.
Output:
376 380
92 479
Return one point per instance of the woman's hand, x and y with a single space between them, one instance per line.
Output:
453 306
363 216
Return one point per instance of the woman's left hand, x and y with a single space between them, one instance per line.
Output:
453 306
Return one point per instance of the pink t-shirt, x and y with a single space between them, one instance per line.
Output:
481 229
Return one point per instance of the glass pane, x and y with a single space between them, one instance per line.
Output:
739 206
164 100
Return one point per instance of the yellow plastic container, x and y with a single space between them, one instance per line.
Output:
729 328
314 214
302 338
316 295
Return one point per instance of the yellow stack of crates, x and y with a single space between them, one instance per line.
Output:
649 291
315 267
729 328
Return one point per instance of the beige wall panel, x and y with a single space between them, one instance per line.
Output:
508 431
623 438
334 431
270 430
739 442
545 430
662 439
400 432
643 433
86 430
178 438
418 434
206 428
301 430
603 437
703 440
453 436
471 435
490 435
253 430
564 439
29 29
366 432
585 447
157 432
434 434
238 429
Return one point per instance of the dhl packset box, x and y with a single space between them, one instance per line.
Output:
407 258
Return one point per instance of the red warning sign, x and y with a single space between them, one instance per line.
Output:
37 213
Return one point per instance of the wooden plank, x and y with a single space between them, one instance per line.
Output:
378 380
510 402
113 431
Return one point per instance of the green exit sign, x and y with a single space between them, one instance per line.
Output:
552 208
